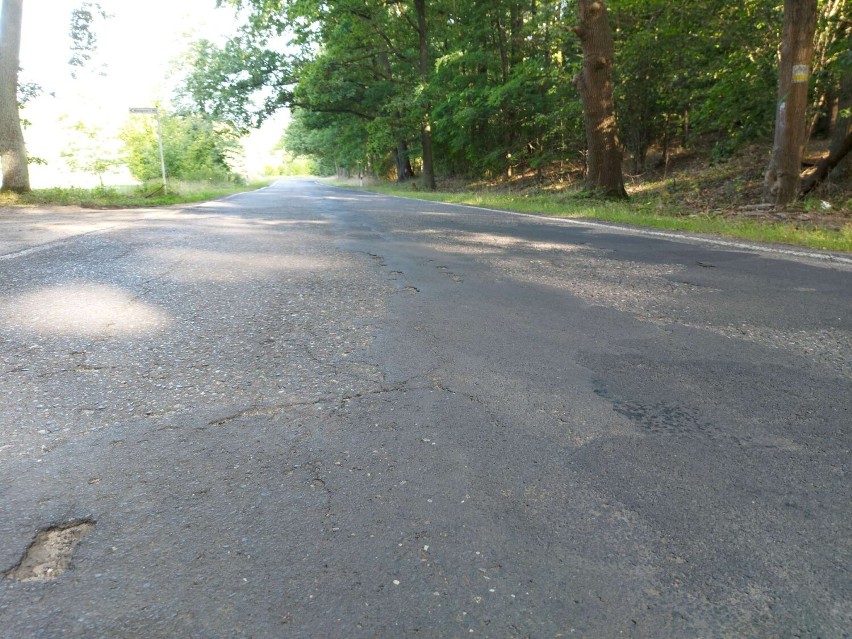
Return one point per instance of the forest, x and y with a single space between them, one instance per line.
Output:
590 94
426 89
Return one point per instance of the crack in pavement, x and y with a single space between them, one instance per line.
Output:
339 400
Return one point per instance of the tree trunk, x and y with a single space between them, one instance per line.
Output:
841 139
504 53
404 170
783 175
594 83
13 155
425 124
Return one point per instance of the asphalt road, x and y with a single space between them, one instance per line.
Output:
309 412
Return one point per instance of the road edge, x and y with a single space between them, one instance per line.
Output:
784 250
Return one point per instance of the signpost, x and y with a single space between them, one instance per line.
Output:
156 113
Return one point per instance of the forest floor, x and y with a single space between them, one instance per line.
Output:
689 193
733 188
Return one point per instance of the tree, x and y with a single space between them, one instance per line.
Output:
195 148
831 61
832 103
501 96
84 39
425 68
486 84
336 142
783 174
13 155
242 82
364 63
841 139
594 83
88 152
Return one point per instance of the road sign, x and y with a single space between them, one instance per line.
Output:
148 110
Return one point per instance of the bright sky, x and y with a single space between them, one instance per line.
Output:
138 45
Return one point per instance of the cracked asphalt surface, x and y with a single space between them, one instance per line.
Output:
313 412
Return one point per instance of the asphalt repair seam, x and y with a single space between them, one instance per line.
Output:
268 411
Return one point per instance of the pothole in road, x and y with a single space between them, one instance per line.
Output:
49 555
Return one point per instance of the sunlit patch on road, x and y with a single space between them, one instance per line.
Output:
82 310
464 243
200 265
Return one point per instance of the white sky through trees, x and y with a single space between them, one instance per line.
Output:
137 45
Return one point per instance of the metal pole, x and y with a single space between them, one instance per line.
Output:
162 156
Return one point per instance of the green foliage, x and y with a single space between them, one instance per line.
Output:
88 152
739 93
705 68
195 148
241 83
334 142
28 91
293 166
498 89
84 40
832 51
502 95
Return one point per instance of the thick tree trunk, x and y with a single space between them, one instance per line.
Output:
594 83
783 175
13 155
841 139
404 170
397 162
425 124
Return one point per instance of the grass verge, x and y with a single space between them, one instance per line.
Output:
637 212
128 197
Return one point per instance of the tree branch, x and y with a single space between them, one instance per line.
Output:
342 110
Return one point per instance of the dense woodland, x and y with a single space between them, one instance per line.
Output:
472 89
426 89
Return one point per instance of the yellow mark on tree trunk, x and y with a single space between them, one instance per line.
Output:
800 73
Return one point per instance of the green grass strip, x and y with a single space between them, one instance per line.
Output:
647 213
127 197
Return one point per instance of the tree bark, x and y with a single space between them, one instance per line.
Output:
783 175
594 83
425 124
841 139
404 170
504 53
13 154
